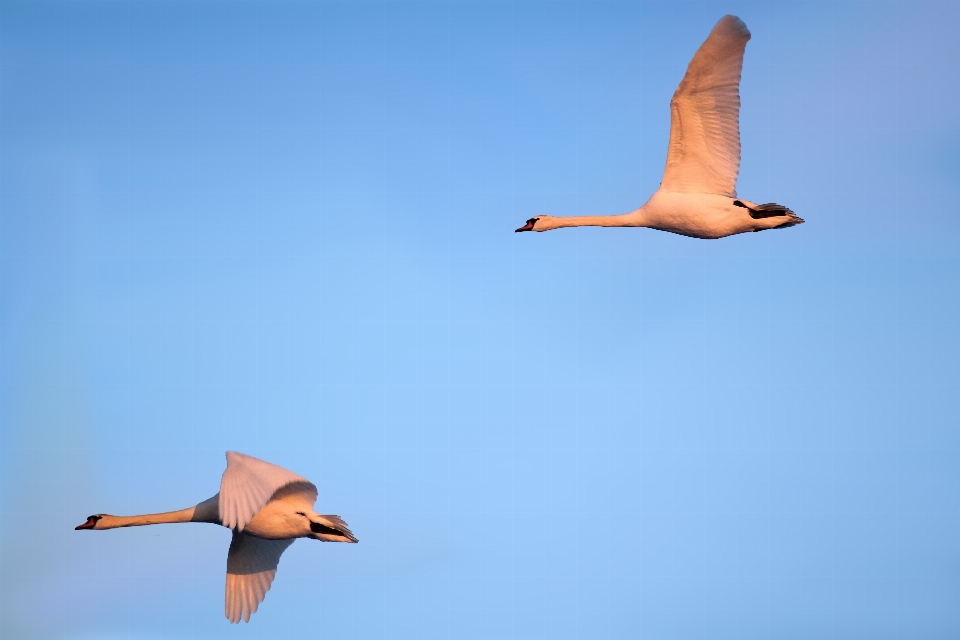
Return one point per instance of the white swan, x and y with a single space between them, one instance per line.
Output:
698 195
267 507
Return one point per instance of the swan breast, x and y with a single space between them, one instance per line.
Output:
279 520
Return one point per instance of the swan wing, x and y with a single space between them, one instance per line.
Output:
249 483
704 151
251 566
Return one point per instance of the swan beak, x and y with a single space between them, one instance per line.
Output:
526 227
89 524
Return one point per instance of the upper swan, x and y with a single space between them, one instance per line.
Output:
698 195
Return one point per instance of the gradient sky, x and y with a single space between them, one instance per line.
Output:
287 229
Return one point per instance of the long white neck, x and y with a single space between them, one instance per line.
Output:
206 511
632 219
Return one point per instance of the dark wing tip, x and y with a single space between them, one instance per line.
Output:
733 26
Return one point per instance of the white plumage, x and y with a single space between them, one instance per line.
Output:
268 508
704 151
251 565
247 485
697 196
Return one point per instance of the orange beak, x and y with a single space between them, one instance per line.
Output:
89 524
526 227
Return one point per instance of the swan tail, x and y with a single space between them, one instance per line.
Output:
768 210
333 529
771 210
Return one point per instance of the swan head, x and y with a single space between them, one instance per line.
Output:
101 521
91 522
540 223
533 224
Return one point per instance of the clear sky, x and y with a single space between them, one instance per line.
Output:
287 229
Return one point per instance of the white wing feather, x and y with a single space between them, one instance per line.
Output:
248 484
251 565
704 152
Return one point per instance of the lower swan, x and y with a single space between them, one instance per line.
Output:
267 508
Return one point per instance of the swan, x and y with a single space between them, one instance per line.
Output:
698 195
267 508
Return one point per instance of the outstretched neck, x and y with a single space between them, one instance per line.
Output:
206 511
632 219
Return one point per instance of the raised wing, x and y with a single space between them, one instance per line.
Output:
704 152
251 566
249 483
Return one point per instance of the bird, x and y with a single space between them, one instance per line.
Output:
697 196
267 508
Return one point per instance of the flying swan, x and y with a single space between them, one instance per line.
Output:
267 507
698 196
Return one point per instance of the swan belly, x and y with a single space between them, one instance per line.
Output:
698 215
278 520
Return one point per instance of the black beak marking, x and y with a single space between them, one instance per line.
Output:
528 226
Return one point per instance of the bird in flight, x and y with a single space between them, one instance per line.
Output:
698 196
267 508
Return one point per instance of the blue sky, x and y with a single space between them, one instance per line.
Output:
287 229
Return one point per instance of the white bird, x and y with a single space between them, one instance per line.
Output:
698 195
267 507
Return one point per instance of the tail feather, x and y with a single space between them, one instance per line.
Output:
340 530
772 208
765 210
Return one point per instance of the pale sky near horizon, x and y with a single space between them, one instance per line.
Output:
286 228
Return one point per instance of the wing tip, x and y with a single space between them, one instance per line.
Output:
733 25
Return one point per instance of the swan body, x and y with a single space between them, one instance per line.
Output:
267 508
698 195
